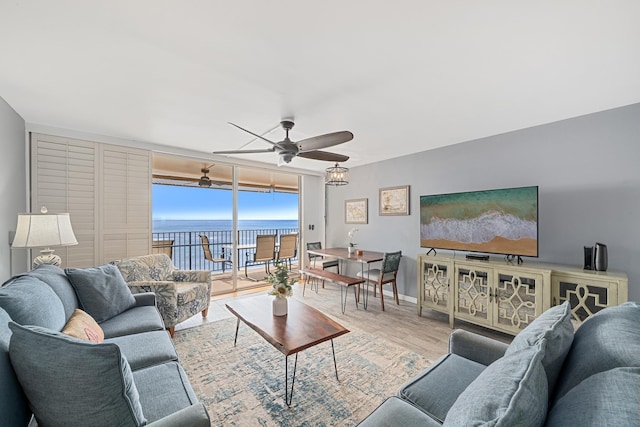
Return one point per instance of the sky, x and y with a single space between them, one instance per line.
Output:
191 203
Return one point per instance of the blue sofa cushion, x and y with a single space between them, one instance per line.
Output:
176 393
14 409
395 412
102 291
59 282
608 339
512 391
555 326
604 399
74 382
136 348
133 321
426 390
30 301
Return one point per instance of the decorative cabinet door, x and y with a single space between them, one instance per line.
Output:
435 282
473 290
518 299
586 296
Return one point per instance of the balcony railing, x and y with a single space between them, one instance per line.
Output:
185 247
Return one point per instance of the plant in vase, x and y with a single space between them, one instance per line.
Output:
352 246
282 288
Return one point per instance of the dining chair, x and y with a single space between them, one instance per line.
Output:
384 275
288 247
208 255
321 261
265 252
324 262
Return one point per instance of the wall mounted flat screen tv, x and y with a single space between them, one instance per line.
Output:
503 221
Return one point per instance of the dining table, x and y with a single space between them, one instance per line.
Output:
361 256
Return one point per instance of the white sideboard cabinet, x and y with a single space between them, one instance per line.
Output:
506 296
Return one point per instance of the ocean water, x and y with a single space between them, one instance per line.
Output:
167 226
186 245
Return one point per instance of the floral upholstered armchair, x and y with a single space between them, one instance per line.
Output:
180 294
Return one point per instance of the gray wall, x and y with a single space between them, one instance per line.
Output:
13 187
587 169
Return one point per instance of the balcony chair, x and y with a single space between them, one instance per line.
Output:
162 247
265 253
288 247
180 294
385 275
318 261
208 255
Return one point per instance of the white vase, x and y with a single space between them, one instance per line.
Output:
280 306
351 249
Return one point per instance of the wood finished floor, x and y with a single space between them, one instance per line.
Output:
426 335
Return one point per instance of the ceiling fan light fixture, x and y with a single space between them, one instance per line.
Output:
204 181
336 175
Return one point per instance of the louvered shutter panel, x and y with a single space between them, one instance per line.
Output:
126 202
63 178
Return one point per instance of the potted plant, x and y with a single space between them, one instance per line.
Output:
281 288
352 246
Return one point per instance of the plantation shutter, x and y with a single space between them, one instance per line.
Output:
126 201
105 188
63 178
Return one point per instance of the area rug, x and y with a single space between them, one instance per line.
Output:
244 385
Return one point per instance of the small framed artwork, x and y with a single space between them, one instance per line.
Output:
356 211
394 201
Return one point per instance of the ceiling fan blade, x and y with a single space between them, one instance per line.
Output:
324 155
261 150
254 134
324 141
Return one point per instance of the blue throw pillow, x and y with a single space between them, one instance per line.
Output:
605 399
554 325
73 382
512 391
30 301
608 339
102 291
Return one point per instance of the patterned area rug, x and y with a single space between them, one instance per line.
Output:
244 385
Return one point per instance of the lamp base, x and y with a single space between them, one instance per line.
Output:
47 257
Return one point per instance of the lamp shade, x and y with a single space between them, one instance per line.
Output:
43 230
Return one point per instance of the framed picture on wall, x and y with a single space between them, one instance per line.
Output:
356 211
394 201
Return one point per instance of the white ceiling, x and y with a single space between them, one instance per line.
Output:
403 76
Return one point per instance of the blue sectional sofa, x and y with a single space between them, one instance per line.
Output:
548 375
125 371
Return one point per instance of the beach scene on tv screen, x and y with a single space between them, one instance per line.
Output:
494 221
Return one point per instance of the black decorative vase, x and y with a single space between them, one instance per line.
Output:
588 257
600 257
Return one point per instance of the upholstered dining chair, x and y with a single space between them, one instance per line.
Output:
288 247
208 255
387 274
265 252
318 261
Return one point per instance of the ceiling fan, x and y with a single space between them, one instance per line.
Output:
309 148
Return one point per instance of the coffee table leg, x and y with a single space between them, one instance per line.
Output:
237 326
288 397
334 360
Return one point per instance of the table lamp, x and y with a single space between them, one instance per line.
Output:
44 230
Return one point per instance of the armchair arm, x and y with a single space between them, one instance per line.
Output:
192 416
145 298
199 276
476 347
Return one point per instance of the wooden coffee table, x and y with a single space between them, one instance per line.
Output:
303 327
